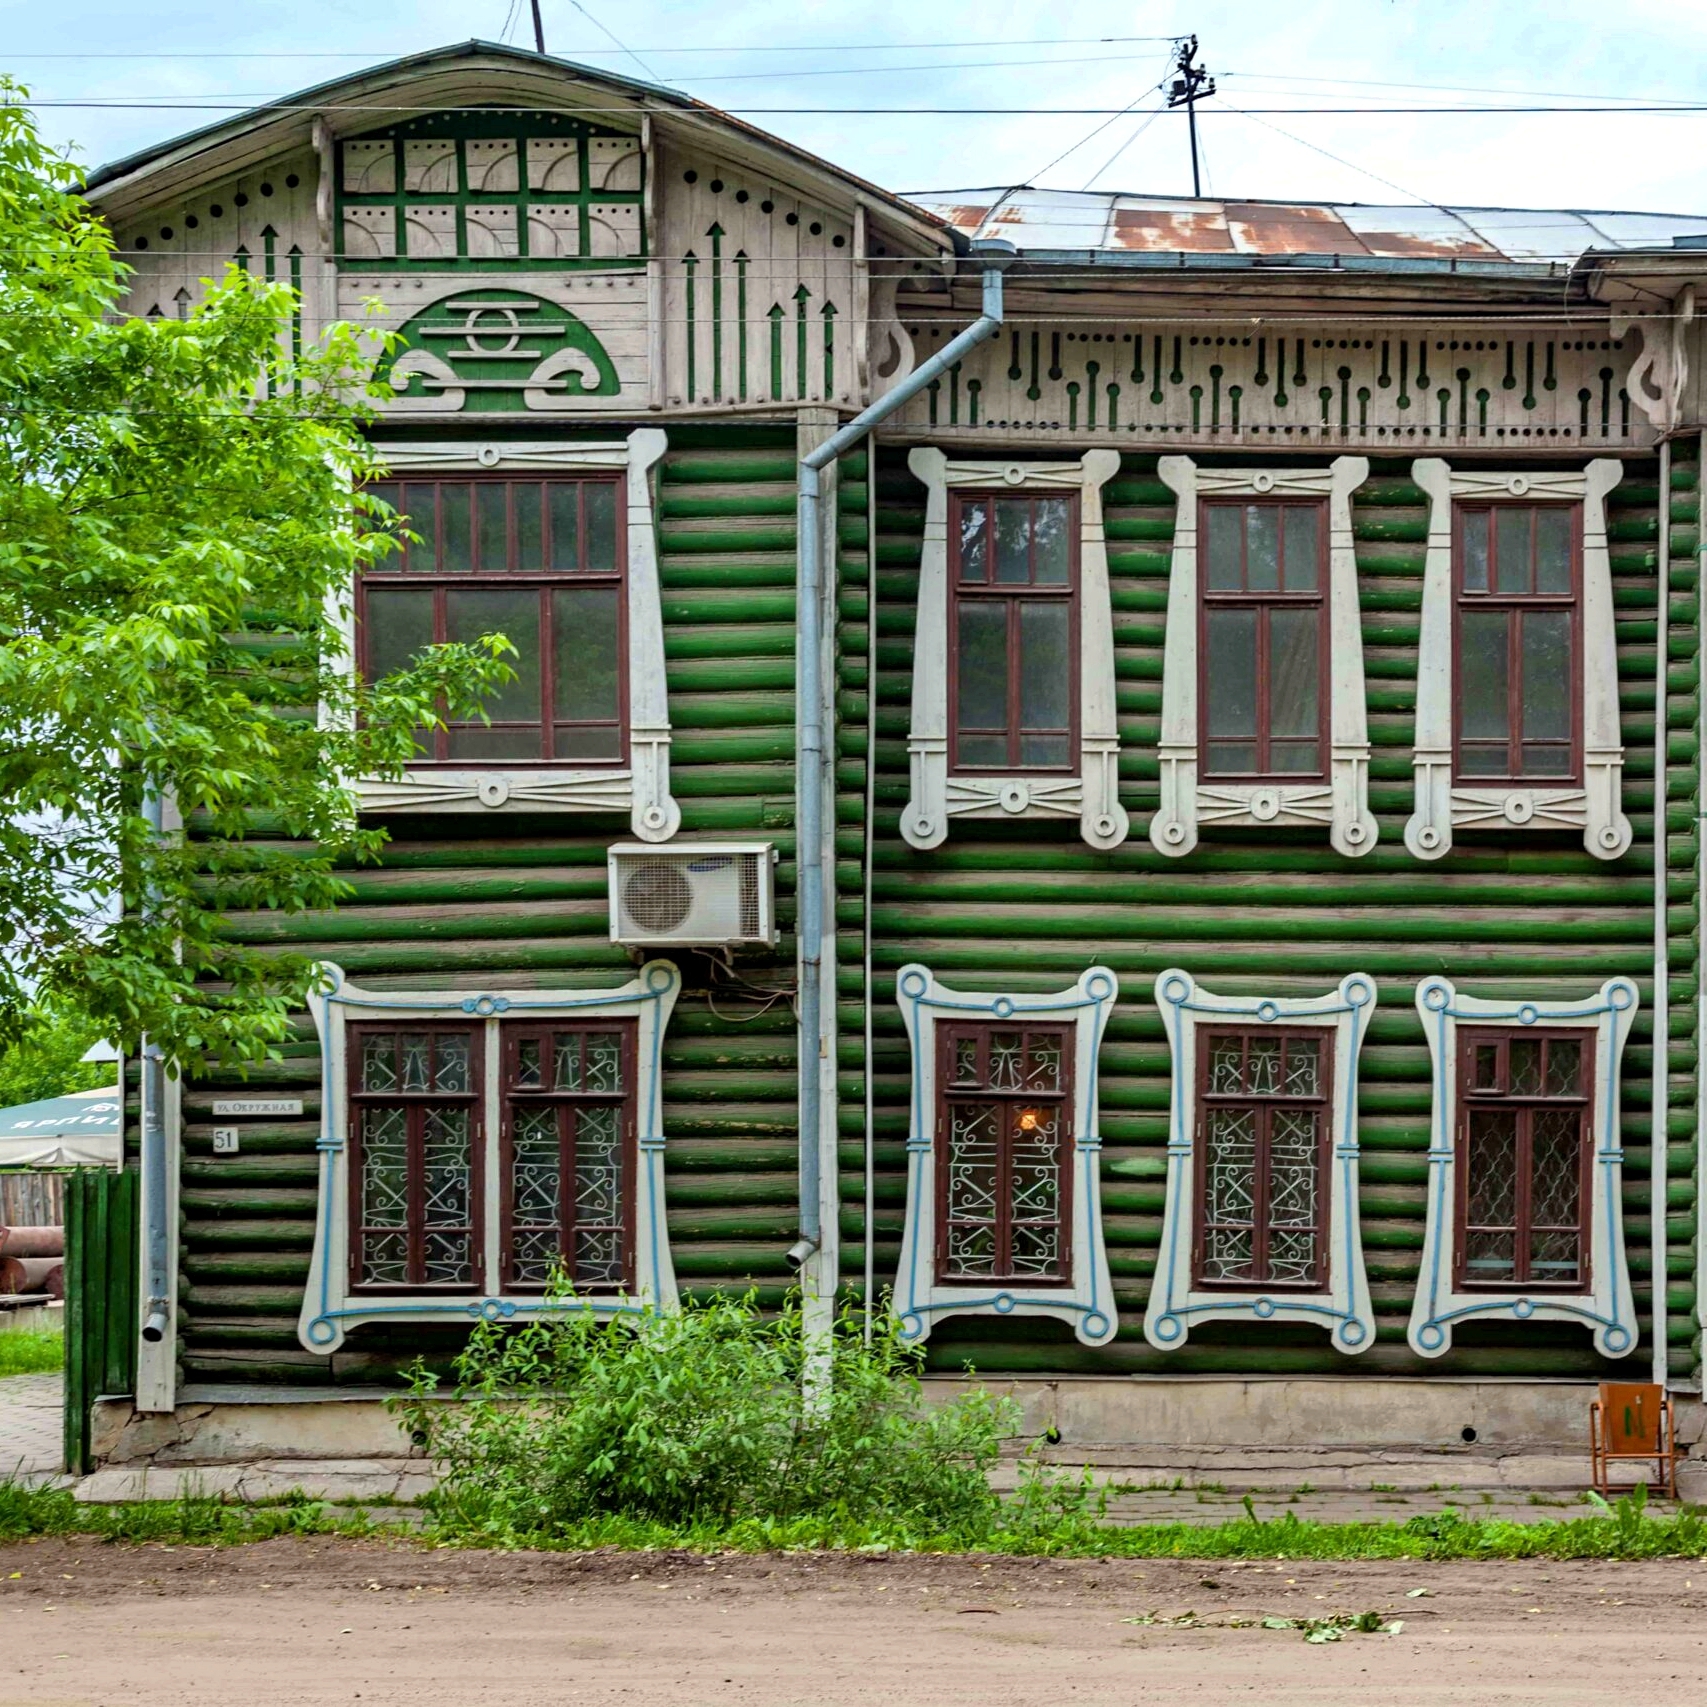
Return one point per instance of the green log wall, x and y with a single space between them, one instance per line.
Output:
1026 906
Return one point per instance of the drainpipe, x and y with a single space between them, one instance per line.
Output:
155 1196
995 256
1661 1080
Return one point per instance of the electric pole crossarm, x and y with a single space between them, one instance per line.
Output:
1192 85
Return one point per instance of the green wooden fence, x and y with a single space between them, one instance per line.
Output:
101 1262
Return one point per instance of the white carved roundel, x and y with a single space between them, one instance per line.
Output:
1015 797
1263 482
489 456
1265 804
494 790
1519 808
1013 474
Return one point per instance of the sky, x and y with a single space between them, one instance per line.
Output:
128 79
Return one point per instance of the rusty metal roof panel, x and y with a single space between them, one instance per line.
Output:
1290 228
1158 225
1414 233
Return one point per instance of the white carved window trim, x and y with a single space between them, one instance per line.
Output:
1342 1305
1093 796
921 1300
329 1308
1607 1304
1342 801
642 787
1593 805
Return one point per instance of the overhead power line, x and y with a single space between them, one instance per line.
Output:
407 108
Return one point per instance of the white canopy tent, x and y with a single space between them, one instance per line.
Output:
81 1130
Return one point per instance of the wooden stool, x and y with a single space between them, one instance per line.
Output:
1632 1420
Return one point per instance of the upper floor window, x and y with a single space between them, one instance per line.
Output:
1518 645
1264 641
541 561
1014 649
1262 1184
1004 1147
1524 1156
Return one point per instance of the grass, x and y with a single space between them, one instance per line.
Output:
1623 1531
31 1353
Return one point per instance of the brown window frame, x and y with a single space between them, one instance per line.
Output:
1265 603
1261 1171
416 1103
1523 1189
948 1033
1013 593
1465 599
394 571
511 1097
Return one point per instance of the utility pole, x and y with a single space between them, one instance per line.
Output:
1191 86
539 47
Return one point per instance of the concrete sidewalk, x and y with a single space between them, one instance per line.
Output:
32 1432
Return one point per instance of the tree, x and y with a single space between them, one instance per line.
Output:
181 515
47 1061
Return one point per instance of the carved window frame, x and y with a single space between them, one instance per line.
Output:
1091 793
1607 1303
640 786
1341 1304
1341 801
331 1305
1443 802
1085 1296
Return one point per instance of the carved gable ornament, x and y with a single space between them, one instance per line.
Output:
483 351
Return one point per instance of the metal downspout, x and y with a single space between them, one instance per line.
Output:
995 256
157 1303
1661 1071
1699 1267
870 840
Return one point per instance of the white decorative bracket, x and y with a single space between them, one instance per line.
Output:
921 1299
330 1307
1441 803
1658 375
1341 803
642 787
1093 796
1607 1304
1342 1304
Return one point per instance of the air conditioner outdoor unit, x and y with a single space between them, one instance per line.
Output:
698 894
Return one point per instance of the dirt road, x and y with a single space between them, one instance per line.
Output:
84 1625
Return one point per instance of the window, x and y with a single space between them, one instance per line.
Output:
1518 613
1003 1174
1523 1159
1015 674
567 1162
1263 1106
476 1145
1265 640
537 560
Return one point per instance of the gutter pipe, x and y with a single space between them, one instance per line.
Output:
995 256
155 1195
1661 1071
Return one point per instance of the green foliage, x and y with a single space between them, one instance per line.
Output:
697 1419
180 518
27 1353
46 1060
192 1519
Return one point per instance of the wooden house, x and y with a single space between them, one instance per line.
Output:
1233 722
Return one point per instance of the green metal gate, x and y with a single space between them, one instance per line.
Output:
101 1259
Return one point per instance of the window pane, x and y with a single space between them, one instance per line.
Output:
1482 675
528 1069
1230 758
1223 548
1262 1066
1474 526
1564 1067
983 749
1492 1189
1490 1256
1545 761
1229 1185
1294 758
1053 542
1044 670
1226 1066
514 613
1303 548
1486 1076
1043 1066
1511 549
1013 539
966 1061
450 1062
599 497
1555 1138
1546 637
398 624
1523 1065
1303 1067
565 525
1293 1177
971 1187
477 744
1007 1060
417 1060
598 1197
604 1061
420 515
1486 760
492 526
591 742
982 699
1294 672
385 1177
1262 547
1552 551
456 531
379 1061
528 502
587 679
974 540
1230 673
1040 750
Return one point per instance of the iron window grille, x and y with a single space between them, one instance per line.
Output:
1262 1138
1524 1155
1263 640
1004 1152
1013 676
540 560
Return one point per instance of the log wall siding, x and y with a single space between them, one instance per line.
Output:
520 903
1027 907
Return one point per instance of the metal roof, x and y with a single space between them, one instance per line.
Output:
1057 221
